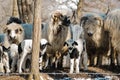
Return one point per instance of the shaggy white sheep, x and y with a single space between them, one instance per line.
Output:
112 25
58 33
14 34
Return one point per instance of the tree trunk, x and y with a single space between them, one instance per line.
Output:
25 8
79 9
15 11
36 41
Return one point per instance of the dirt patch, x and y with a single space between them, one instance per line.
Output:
11 78
99 73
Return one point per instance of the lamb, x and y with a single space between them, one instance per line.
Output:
25 47
95 37
14 56
112 25
43 55
75 49
78 33
4 59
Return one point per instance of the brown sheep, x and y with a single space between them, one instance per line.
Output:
112 24
58 33
97 40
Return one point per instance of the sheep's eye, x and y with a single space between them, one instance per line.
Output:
8 31
16 31
72 44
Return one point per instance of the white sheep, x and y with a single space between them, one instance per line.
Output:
78 33
25 47
75 49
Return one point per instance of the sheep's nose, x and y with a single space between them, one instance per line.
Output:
90 34
12 37
70 48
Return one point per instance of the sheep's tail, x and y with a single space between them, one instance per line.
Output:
14 20
19 49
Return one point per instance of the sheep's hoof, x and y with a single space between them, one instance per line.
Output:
8 71
71 72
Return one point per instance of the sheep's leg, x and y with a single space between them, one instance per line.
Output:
52 61
92 62
46 63
118 58
6 62
85 60
2 67
99 60
40 62
71 65
112 56
21 61
7 67
77 61
56 63
14 61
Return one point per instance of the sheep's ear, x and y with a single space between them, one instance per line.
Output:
49 44
53 17
99 21
20 30
1 44
75 43
65 43
5 49
83 20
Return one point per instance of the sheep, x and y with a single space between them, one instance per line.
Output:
75 49
97 39
27 28
25 47
58 33
4 59
14 33
43 55
13 56
112 25
78 33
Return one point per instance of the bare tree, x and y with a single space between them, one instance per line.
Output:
36 39
77 13
79 9
15 11
25 8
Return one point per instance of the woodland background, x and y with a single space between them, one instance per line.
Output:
24 8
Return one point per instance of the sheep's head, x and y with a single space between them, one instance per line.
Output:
70 44
59 22
91 24
13 31
44 43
